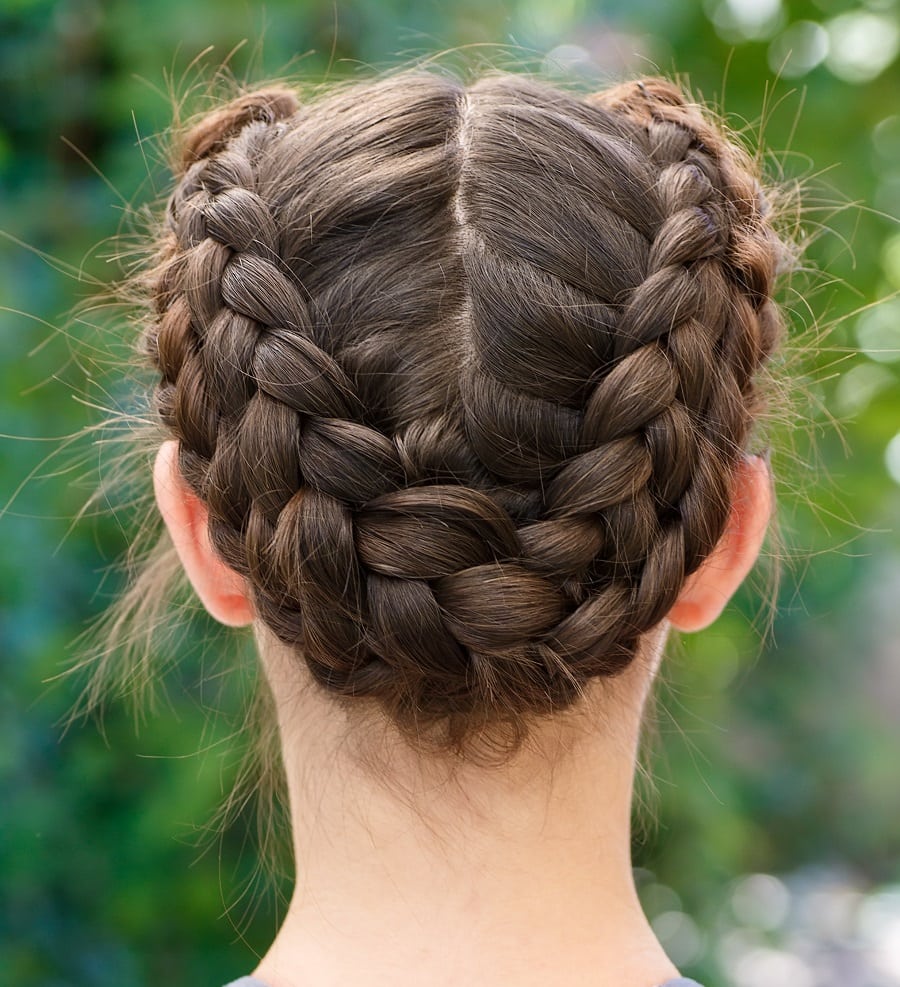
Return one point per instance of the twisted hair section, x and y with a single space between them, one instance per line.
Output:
462 375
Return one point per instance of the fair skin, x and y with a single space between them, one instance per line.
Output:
457 875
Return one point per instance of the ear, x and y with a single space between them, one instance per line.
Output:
709 589
221 590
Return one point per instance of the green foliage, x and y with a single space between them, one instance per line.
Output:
775 758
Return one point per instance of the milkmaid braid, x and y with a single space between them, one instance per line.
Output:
463 375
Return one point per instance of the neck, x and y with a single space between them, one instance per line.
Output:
422 871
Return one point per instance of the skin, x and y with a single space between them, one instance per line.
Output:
425 871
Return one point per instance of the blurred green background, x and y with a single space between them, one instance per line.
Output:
770 853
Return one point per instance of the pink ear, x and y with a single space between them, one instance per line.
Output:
221 590
709 589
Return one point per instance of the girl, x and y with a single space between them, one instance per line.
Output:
455 386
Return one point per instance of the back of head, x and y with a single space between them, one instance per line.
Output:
462 375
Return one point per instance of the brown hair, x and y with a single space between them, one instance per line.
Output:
462 374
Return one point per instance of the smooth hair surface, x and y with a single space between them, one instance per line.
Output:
462 375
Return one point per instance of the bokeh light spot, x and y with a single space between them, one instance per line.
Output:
679 936
878 331
861 45
860 385
747 20
799 49
886 138
892 457
772 968
879 918
761 901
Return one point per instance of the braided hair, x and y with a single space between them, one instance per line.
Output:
462 374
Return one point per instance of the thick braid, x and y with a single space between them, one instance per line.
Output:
464 458
249 368
640 474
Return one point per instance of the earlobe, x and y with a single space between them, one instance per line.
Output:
221 590
709 589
